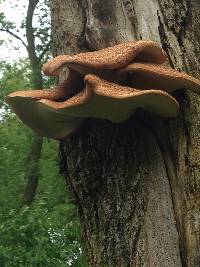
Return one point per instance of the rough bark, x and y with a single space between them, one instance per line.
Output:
136 184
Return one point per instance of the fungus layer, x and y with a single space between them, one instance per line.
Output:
114 57
147 75
42 119
110 83
107 100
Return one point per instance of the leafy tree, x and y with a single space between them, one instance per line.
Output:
48 232
36 40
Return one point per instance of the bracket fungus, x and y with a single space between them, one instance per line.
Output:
110 83
150 75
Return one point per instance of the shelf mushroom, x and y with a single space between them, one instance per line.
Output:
107 100
148 75
113 57
99 99
40 118
110 83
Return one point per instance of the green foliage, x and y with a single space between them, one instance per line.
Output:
16 29
47 233
14 77
18 76
42 33
5 24
36 237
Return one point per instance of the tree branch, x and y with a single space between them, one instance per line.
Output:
14 35
44 51
30 32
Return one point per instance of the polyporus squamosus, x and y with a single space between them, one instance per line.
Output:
98 86
148 75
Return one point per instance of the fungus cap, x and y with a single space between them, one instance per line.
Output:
94 88
40 118
147 75
107 100
114 57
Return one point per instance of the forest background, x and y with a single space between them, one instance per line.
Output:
44 231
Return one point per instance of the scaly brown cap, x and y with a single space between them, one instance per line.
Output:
107 100
99 99
65 90
147 75
114 57
58 113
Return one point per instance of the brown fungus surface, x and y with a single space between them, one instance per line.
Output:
148 75
95 88
107 100
114 57
42 119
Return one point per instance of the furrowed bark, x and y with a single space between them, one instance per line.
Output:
136 184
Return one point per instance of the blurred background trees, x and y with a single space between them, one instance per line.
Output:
33 32
45 232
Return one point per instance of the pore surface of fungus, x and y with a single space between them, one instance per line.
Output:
110 83
42 119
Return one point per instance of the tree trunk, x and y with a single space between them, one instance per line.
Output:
33 159
136 184
32 167
32 170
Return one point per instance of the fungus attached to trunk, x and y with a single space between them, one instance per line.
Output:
107 100
114 57
110 84
148 75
